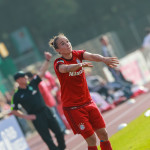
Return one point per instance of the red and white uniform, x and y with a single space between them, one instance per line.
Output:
80 110
74 89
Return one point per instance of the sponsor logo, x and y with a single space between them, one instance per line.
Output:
78 61
76 73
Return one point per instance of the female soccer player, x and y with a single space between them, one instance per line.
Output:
79 108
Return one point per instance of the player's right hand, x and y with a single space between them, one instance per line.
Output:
48 56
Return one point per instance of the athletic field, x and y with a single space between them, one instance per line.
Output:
123 113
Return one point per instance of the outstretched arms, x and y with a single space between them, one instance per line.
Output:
109 61
73 67
45 64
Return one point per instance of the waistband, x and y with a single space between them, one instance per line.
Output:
77 107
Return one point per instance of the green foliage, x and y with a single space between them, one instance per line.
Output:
80 20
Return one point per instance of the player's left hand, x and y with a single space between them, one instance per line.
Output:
111 61
48 56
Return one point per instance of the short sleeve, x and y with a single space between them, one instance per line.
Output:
57 63
80 54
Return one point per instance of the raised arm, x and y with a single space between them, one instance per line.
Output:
45 65
109 61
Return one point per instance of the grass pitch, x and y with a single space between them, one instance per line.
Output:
136 136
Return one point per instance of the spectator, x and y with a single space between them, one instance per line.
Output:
4 107
49 100
116 73
54 88
107 52
29 97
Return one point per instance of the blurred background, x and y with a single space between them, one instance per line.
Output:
27 26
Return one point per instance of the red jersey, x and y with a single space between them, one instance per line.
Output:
74 89
47 96
51 80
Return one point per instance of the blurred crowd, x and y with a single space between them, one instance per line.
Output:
107 95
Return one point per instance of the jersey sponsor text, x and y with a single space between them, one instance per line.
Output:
75 73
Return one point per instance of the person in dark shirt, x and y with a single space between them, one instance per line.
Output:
29 97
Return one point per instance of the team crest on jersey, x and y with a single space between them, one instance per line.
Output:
60 61
33 91
81 126
78 61
30 88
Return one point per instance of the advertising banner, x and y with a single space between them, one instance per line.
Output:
11 136
134 68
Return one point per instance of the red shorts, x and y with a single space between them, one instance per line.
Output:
84 119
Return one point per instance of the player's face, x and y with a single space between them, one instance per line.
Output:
64 45
22 80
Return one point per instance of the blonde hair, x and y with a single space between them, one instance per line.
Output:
53 42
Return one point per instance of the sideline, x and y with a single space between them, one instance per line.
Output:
127 112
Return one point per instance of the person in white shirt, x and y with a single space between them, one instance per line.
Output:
146 41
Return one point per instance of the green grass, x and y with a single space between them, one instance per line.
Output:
136 136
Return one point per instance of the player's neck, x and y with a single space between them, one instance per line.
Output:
67 56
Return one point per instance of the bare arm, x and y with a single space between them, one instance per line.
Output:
109 61
92 57
24 116
73 67
45 65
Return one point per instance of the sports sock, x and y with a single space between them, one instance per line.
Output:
92 148
105 145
